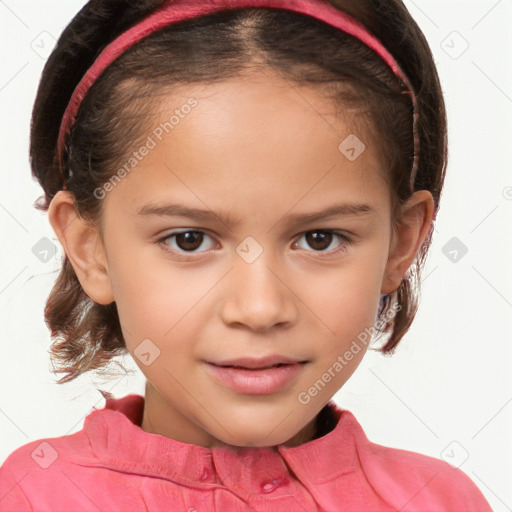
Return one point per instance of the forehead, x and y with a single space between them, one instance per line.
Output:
253 138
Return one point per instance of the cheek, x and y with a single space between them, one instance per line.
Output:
344 308
159 300
343 301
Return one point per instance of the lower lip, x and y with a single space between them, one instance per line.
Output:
255 382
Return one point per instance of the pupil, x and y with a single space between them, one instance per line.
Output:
188 238
319 237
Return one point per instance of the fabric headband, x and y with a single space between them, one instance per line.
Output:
172 11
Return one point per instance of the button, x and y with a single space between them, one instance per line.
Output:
272 485
205 474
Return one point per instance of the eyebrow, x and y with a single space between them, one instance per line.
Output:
180 210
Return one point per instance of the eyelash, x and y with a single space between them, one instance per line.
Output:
344 241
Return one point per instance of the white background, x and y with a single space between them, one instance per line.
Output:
446 392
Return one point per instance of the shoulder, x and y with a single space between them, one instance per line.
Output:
38 468
419 482
62 473
410 481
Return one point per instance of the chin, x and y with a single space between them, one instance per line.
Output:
245 441
260 436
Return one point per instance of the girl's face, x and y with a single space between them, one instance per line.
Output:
218 247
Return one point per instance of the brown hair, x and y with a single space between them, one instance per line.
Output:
112 118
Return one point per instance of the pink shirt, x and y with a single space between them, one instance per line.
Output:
113 465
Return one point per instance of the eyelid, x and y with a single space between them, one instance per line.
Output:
162 239
344 243
346 240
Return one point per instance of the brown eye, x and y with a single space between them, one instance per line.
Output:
322 239
319 240
189 241
185 242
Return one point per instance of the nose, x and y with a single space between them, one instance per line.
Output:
259 296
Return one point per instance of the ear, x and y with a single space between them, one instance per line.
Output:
83 246
407 237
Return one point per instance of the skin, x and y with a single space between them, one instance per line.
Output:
260 150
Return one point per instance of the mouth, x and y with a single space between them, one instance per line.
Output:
261 363
256 378
278 365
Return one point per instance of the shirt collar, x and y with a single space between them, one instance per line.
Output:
119 443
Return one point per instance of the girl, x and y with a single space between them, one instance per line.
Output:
245 192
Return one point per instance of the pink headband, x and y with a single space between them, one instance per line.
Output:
173 11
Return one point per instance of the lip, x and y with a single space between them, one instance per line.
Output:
264 381
257 363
